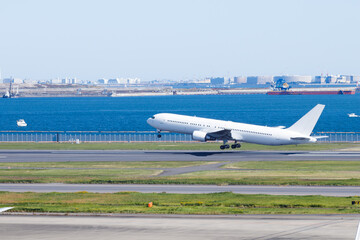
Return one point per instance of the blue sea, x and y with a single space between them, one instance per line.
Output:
130 113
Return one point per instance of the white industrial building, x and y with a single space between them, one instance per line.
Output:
69 80
123 81
240 79
259 79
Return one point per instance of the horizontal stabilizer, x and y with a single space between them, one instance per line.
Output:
306 124
320 137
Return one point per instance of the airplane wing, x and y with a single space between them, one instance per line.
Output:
5 209
223 134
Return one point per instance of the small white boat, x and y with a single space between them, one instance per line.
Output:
21 123
352 115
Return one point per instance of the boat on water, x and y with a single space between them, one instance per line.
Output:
10 93
312 92
282 88
21 123
352 115
7 95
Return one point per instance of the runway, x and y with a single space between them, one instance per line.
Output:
126 155
222 157
249 227
180 188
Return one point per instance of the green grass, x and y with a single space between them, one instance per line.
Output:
73 175
215 203
172 146
297 165
334 173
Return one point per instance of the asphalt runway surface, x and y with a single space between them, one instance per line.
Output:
125 156
249 227
180 188
222 157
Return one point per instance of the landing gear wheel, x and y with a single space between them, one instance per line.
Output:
227 146
234 146
238 145
159 135
222 147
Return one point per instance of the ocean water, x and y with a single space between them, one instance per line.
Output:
130 113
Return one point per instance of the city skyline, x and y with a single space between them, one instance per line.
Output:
177 40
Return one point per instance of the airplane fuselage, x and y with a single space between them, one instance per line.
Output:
200 127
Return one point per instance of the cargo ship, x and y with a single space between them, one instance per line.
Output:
282 88
323 91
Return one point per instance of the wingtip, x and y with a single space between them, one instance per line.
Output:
5 209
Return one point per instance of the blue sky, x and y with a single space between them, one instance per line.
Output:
178 40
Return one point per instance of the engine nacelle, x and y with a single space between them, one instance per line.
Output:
199 136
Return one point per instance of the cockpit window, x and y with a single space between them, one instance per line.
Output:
153 117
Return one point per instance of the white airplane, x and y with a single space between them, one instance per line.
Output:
205 129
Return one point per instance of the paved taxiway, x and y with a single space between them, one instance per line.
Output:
227 155
223 157
179 227
179 188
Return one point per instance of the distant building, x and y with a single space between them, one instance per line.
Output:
56 81
133 81
355 79
102 81
265 79
12 80
331 79
69 81
351 78
342 79
252 80
320 79
206 80
259 79
123 81
30 81
239 80
218 80
113 81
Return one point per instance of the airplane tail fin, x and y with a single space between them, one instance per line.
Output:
306 124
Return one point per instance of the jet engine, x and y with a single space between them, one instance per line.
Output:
199 136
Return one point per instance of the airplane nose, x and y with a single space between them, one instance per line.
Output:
149 121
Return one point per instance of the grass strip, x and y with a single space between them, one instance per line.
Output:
163 203
332 173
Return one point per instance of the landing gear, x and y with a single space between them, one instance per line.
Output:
159 133
233 146
224 146
236 145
